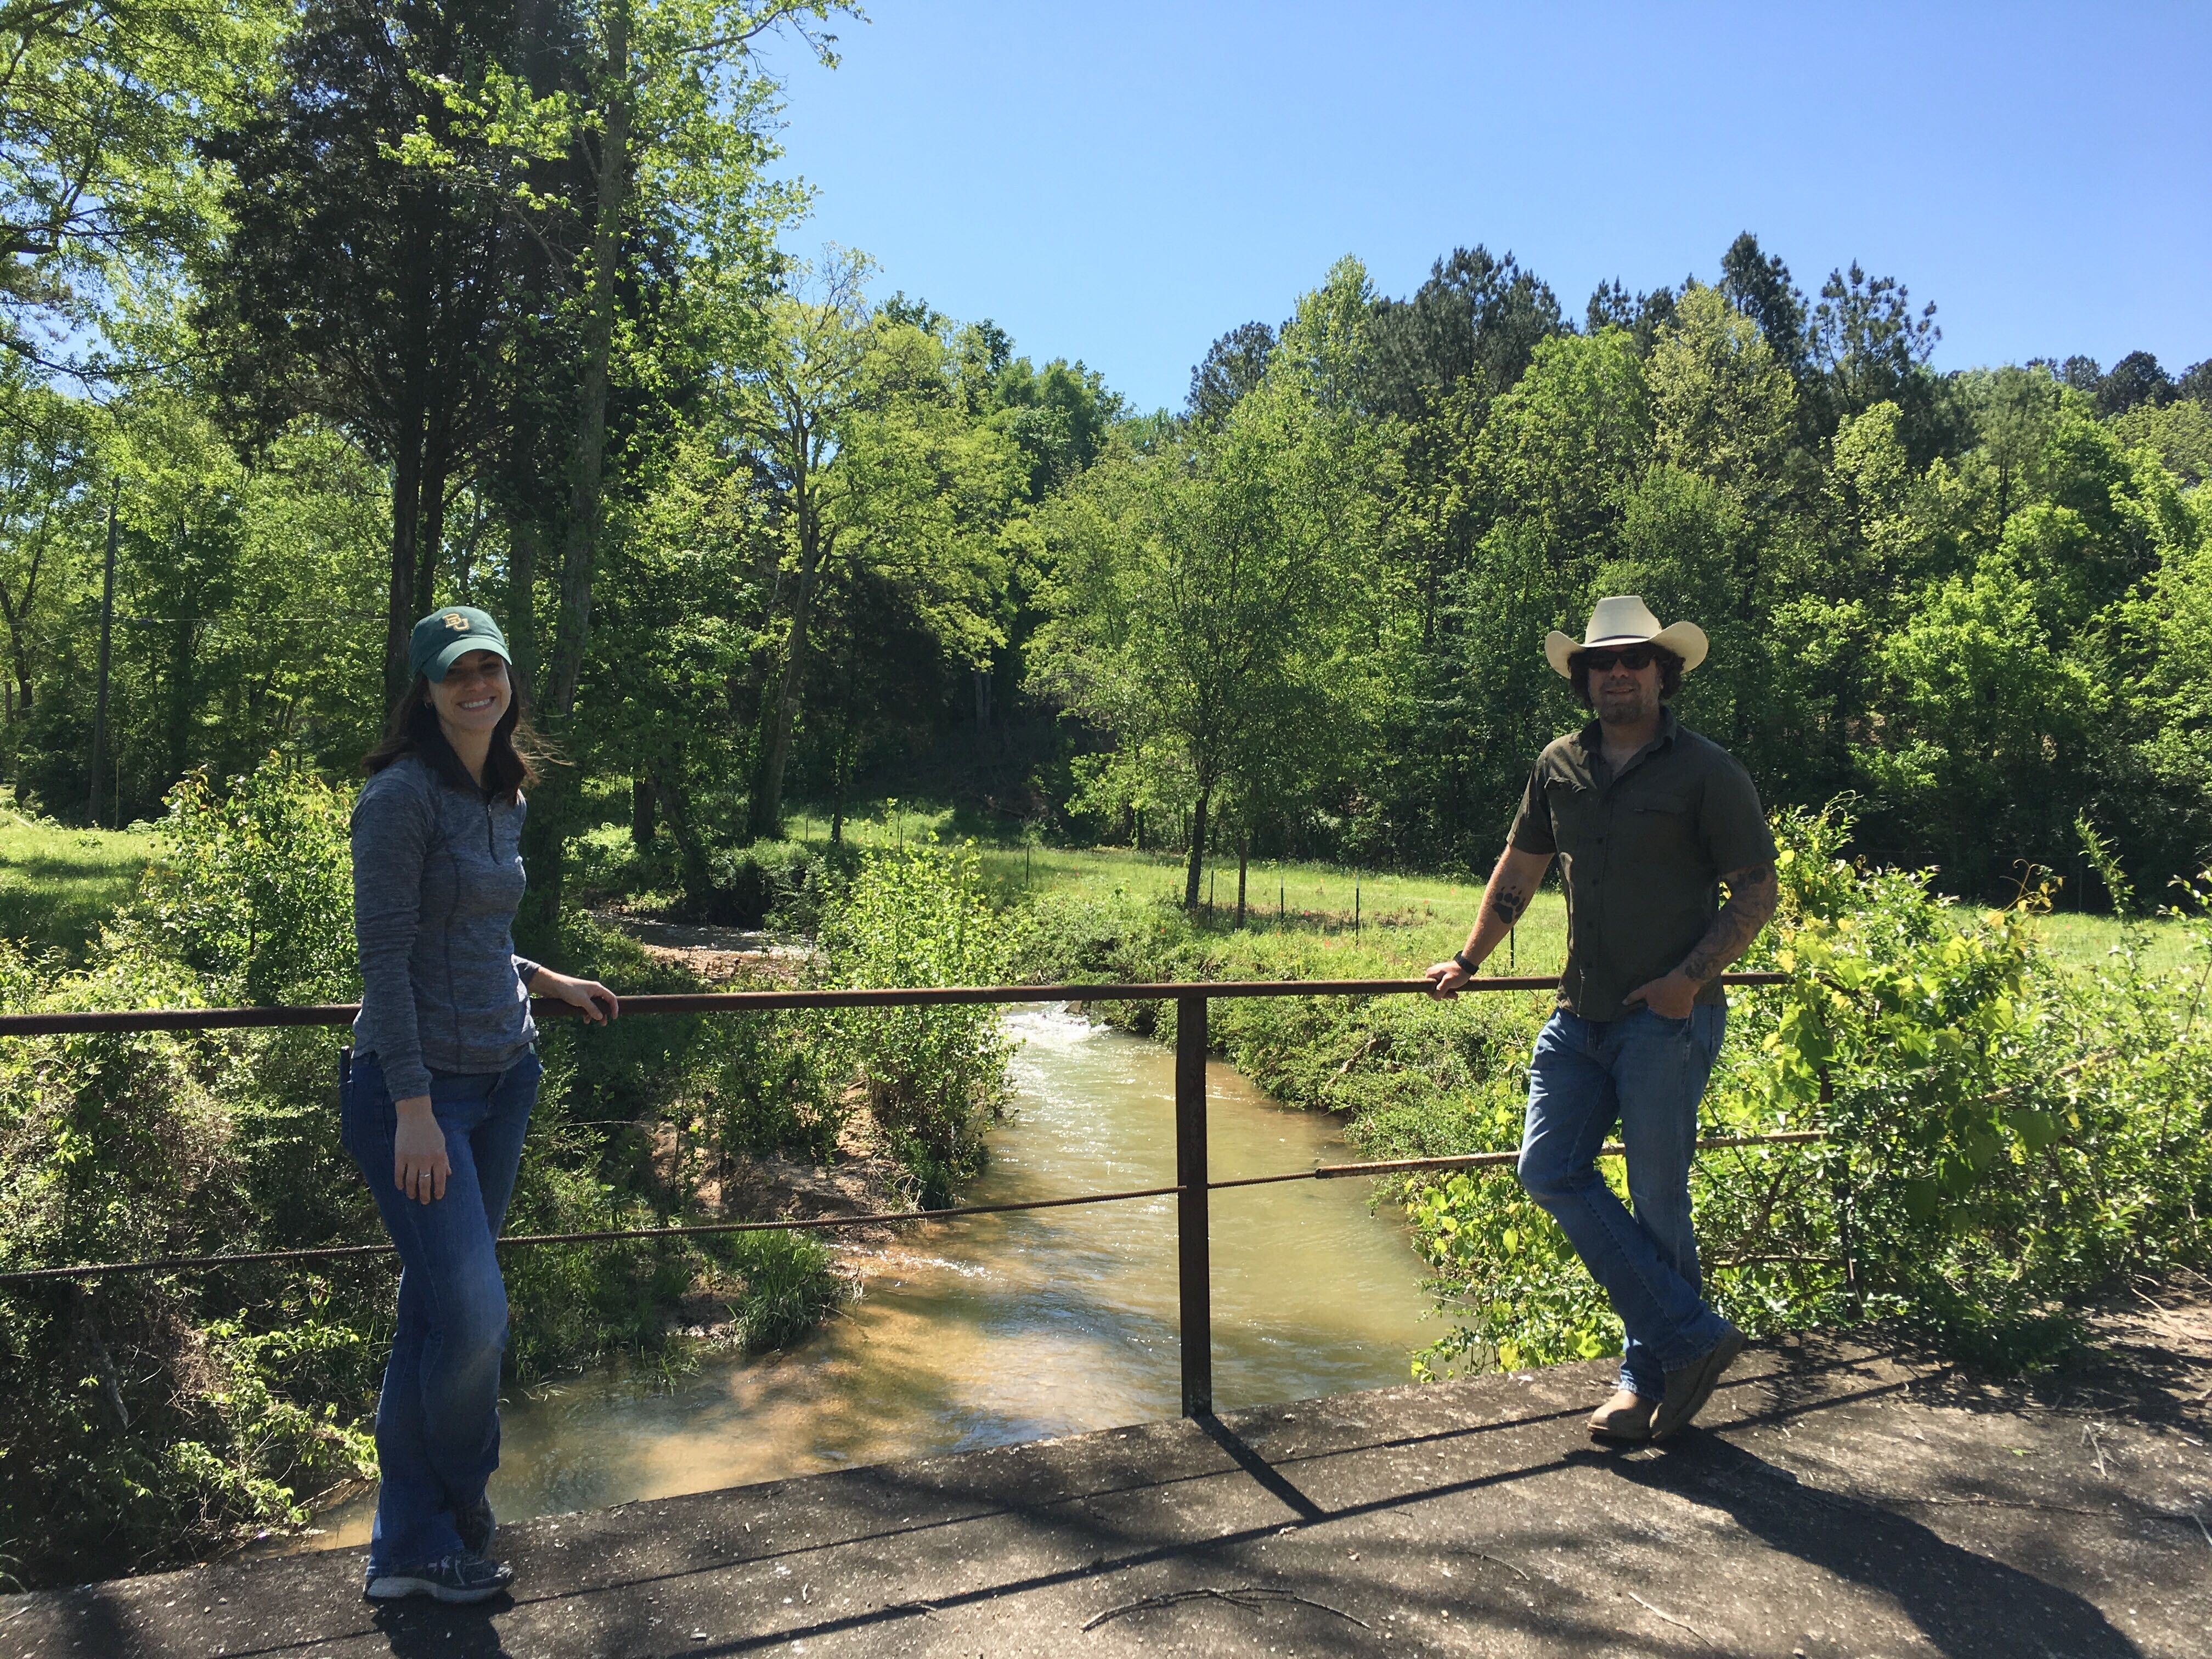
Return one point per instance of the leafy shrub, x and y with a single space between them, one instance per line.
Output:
252 888
2007 1139
778 884
605 863
773 1090
919 916
154 1415
146 1414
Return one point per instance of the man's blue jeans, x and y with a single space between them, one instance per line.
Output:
1647 1072
437 1420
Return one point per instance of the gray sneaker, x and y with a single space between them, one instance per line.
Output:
462 1577
475 1526
1689 1387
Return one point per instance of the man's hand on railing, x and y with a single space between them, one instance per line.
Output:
1445 978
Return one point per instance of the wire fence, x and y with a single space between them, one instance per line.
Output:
1191 1187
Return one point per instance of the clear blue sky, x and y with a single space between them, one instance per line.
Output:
1122 182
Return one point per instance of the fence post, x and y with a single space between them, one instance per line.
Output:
1843 1197
1194 1255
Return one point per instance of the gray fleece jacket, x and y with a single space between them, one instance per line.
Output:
437 874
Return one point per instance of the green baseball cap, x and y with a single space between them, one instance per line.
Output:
444 636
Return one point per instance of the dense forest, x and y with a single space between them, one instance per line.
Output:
316 316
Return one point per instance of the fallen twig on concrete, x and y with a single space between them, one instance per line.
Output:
1658 1612
1508 1565
1243 1595
2089 1439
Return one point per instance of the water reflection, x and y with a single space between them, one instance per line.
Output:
1012 1327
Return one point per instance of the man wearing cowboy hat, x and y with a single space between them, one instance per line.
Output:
1649 821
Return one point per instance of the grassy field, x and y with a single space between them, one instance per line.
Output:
1424 916
58 884
2088 943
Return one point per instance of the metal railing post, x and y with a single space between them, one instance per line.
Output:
1194 1255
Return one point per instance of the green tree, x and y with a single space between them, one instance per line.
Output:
379 260
667 112
98 102
1208 591
1722 402
873 464
2178 433
1869 347
49 519
1990 737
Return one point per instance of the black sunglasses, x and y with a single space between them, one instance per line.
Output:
1634 659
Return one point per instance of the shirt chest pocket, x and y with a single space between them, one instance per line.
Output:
1663 826
1574 811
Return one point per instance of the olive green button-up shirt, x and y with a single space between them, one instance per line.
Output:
1642 854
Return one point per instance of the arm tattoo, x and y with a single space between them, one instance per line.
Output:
1508 903
1752 892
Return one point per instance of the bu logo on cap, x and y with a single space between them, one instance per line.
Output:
457 622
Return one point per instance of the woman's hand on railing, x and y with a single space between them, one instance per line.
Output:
587 996
419 1163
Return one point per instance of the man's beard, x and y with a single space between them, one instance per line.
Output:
1625 708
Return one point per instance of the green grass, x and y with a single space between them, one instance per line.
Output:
2086 944
1403 918
59 885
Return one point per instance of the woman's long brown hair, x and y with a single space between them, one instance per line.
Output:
413 729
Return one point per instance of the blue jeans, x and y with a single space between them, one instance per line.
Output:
1647 1072
437 1419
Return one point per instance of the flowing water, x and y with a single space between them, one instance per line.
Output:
1002 1328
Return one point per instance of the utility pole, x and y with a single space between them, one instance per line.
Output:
106 637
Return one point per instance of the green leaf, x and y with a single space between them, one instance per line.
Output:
1920 1199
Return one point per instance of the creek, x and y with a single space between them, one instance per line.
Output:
1002 1328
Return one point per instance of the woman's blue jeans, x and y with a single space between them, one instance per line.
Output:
1646 1072
437 1420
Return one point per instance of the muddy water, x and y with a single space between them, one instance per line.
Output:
1011 1327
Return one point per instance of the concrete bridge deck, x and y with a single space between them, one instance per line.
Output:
1839 1501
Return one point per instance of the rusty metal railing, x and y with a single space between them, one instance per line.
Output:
1192 1186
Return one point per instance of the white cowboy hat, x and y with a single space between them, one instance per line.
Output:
1625 619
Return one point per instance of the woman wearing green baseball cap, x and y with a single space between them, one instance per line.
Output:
441 1078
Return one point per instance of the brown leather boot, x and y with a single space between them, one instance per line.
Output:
1689 1387
1626 1418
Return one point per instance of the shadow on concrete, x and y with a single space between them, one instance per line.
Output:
1259 1468
425 1630
1967 1606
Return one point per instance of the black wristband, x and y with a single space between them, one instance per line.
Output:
1459 957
